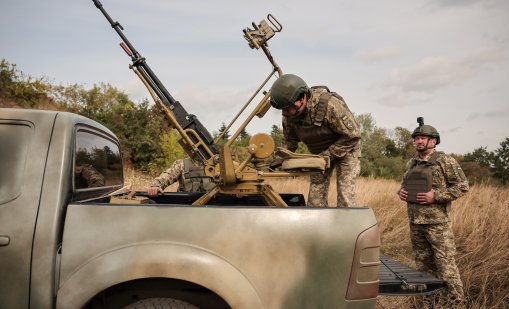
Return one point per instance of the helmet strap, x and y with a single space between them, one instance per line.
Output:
429 138
427 147
305 112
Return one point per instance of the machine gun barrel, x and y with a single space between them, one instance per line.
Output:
186 121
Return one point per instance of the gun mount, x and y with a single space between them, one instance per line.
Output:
230 176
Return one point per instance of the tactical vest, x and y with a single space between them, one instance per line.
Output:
194 179
419 178
317 137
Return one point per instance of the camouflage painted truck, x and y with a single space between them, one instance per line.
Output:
64 244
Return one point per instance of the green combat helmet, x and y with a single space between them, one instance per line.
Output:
286 90
426 130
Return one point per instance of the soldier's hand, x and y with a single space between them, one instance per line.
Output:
403 194
276 162
154 191
426 197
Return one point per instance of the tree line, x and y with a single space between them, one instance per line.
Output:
149 144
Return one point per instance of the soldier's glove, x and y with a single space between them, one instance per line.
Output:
275 163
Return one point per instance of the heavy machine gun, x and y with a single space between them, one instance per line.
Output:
197 140
231 177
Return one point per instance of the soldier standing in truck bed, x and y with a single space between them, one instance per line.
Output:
322 120
189 174
431 182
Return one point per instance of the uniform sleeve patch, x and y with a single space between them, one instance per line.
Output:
347 122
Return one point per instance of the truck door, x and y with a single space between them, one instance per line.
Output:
24 141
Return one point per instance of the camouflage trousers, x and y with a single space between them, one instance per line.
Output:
434 249
347 171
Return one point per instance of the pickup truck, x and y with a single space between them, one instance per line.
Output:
64 245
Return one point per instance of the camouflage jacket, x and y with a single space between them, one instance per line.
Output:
86 176
171 175
338 118
448 181
191 180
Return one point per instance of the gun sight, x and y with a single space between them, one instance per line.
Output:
261 33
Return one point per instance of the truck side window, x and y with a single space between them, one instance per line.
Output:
98 162
15 139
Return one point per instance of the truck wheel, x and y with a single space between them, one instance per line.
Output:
160 303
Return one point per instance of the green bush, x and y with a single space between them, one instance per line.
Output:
24 89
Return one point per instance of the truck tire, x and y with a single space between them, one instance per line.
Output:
160 303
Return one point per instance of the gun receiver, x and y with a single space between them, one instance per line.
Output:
196 139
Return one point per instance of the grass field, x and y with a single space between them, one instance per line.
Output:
480 222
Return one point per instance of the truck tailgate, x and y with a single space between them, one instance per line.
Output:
397 279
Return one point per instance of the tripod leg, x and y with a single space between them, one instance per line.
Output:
206 197
271 197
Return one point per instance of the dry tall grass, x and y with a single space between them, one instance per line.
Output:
479 222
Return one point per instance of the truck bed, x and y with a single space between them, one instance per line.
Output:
396 279
254 257
182 198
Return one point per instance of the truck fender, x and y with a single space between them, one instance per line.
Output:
157 260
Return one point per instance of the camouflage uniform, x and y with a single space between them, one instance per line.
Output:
189 174
430 225
328 128
86 176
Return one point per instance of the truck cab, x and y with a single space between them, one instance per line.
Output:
40 155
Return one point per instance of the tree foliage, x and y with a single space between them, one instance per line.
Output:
137 125
480 155
277 135
483 165
477 165
381 155
244 135
501 162
171 149
25 90
225 134
148 144
404 142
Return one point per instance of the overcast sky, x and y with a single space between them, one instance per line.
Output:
445 60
